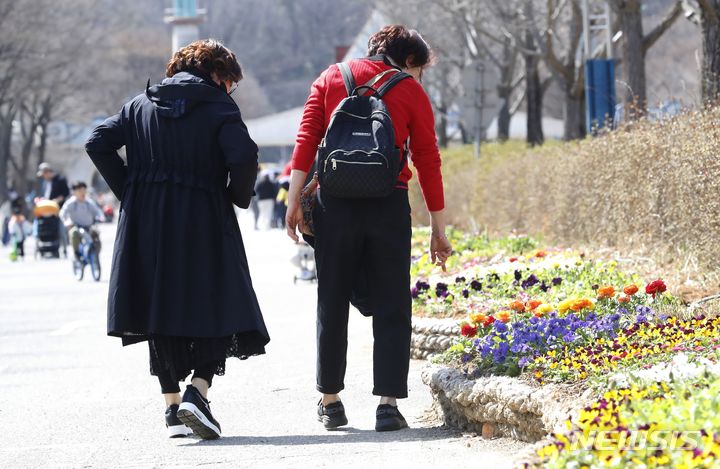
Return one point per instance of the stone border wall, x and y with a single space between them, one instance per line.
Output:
502 406
431 336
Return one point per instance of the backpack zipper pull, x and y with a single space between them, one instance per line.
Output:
334 162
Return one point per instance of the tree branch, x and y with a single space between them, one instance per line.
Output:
652 37
709 11
515 106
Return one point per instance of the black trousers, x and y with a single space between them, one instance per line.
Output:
168 385
20 248
369 237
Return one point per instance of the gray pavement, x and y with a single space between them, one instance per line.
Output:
72 397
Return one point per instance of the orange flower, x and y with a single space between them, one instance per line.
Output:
541 254
583 303
532 304
517 306
631 289
623 298
608 291
478 318
503 316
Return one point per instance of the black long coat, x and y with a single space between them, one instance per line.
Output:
179 266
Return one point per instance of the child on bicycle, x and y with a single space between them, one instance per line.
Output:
81 212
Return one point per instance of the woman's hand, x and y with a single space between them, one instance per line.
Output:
294 218
440 249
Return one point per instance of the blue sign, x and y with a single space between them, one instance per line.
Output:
599 93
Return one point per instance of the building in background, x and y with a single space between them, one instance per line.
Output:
185 18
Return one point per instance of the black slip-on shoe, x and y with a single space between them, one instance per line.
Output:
388 418
176 429
195 413
332 415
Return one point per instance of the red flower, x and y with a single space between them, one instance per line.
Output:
468 331
655 287
488 320
513 259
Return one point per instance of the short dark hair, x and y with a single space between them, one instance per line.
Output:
207 56
78 185
404 46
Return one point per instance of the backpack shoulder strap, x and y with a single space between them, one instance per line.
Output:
347 77
394 80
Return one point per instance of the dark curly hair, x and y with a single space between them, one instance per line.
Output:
404 46
209 56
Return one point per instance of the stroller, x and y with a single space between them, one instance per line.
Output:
47 229
305 261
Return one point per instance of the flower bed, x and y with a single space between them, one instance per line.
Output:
665 418
552 318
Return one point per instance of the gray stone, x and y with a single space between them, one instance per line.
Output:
517 408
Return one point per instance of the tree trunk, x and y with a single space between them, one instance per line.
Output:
464 134
711 53
5 134
43 123
22 184
42 146
633 65
533 95
503 120
441 125
574 117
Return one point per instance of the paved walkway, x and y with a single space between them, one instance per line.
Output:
72 397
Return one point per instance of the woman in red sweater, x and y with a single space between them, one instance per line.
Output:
370 235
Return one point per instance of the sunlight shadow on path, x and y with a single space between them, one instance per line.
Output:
346 435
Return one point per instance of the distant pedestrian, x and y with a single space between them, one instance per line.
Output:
180 277
266 192
19 229
362 233
281 203
53 186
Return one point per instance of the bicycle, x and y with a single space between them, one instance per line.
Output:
88 256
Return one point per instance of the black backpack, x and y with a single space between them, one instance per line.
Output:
358 157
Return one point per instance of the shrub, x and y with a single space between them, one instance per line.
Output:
653 187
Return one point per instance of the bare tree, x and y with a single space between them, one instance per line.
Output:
491 32
534 89
706 13
635 46
446 37
43 58
17 43
558 37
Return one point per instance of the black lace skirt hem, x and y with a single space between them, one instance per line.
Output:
179 356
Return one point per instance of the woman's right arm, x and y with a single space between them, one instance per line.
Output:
427 162
241 159
312 129
102 146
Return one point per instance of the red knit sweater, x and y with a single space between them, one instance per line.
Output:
411 115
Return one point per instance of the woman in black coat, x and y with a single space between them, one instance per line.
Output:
180 277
